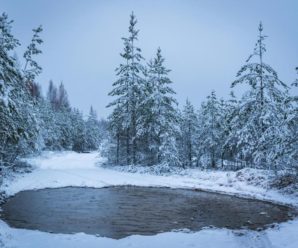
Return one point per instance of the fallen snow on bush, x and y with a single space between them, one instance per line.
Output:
52 170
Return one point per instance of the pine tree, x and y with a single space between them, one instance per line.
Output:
211 130
32 68
160 117
79 137
189 134
17 122
229 122
127 90
261 108
9 79
92 131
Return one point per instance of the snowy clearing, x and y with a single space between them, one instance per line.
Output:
53 170
63 169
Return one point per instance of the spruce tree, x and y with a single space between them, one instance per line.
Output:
230 118
127 90
210 133
18 126
189 134
160 116
31 67
92 130
78 134
262 108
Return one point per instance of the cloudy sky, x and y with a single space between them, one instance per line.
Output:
204 42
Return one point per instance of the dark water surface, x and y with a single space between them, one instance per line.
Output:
121 211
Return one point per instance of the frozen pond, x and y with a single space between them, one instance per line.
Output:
121 211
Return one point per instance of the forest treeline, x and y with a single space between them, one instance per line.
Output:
30 122
146 127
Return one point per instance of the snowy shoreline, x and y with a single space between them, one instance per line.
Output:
67 169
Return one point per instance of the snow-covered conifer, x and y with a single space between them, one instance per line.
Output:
93 132
210 132
262 108
17 123
127 90
161 117
189 134
31 67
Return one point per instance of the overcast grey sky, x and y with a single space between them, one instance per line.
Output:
204 42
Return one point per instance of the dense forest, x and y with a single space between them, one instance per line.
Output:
30 122
146 127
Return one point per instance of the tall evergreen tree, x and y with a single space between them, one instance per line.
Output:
261 108
159 118
9 79
18 125
127 90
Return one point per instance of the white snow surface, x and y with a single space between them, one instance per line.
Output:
52 170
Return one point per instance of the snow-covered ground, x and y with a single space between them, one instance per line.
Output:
73 169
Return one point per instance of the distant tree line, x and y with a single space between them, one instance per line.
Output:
30 122
146 126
